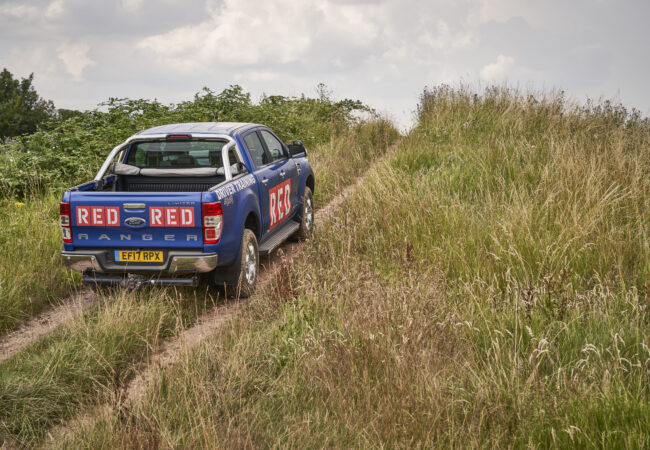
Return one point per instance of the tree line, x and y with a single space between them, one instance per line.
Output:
22 110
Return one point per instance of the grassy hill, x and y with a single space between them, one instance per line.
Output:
486 286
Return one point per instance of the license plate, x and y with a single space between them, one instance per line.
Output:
149 256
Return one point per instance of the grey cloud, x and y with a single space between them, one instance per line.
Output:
80 18
383 51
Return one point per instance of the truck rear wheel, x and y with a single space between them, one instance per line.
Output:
307 220
246 277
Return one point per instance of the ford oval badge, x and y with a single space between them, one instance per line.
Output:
135 221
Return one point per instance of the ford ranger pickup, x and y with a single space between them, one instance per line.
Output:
176 203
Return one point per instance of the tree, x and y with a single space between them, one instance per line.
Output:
21 108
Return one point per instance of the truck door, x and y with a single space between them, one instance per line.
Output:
264 173
282 204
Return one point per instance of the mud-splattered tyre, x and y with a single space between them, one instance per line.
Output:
243 285
306 229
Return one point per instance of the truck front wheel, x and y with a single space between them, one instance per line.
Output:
244 284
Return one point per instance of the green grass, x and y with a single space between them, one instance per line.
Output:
89 360
347 156
486 287
31 276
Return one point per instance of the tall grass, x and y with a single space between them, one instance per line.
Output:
347 155
31 275
486 287
90 359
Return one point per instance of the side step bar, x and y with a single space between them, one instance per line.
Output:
278 237
138 282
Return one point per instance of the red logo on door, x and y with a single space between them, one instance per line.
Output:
98 216
279 202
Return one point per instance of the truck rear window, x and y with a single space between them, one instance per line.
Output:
186 154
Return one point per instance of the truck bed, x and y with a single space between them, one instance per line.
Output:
127 183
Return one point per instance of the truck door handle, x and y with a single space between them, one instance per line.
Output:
283 173
265 180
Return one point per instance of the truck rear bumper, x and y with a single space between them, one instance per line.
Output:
177 262
138 281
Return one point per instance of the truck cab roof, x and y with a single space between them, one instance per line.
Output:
228 128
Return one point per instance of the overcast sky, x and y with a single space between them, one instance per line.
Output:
383 52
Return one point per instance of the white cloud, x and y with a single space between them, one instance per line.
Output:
35 60
19 11
445 39
55 10
238 33
504 68
258 75
131 5
75 58
535 13
498 69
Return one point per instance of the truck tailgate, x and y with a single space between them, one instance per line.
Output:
136 220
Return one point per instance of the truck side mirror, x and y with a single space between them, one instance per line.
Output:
297 149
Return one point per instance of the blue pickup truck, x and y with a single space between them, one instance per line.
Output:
177 203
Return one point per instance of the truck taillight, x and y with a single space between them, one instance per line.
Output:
64 217
212 222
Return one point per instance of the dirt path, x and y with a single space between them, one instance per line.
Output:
173 350
50 319
45 322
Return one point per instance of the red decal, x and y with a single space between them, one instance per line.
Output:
287 198
279 202
97 216
187 217
280 209
272 200
112 216
171 217
156 216
159 216
83 216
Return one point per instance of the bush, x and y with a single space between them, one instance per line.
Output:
65 152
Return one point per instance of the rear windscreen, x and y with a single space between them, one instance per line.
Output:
185 154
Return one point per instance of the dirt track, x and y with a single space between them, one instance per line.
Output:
189 338
55 316
45 322
172 350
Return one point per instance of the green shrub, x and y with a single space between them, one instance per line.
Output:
67 152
